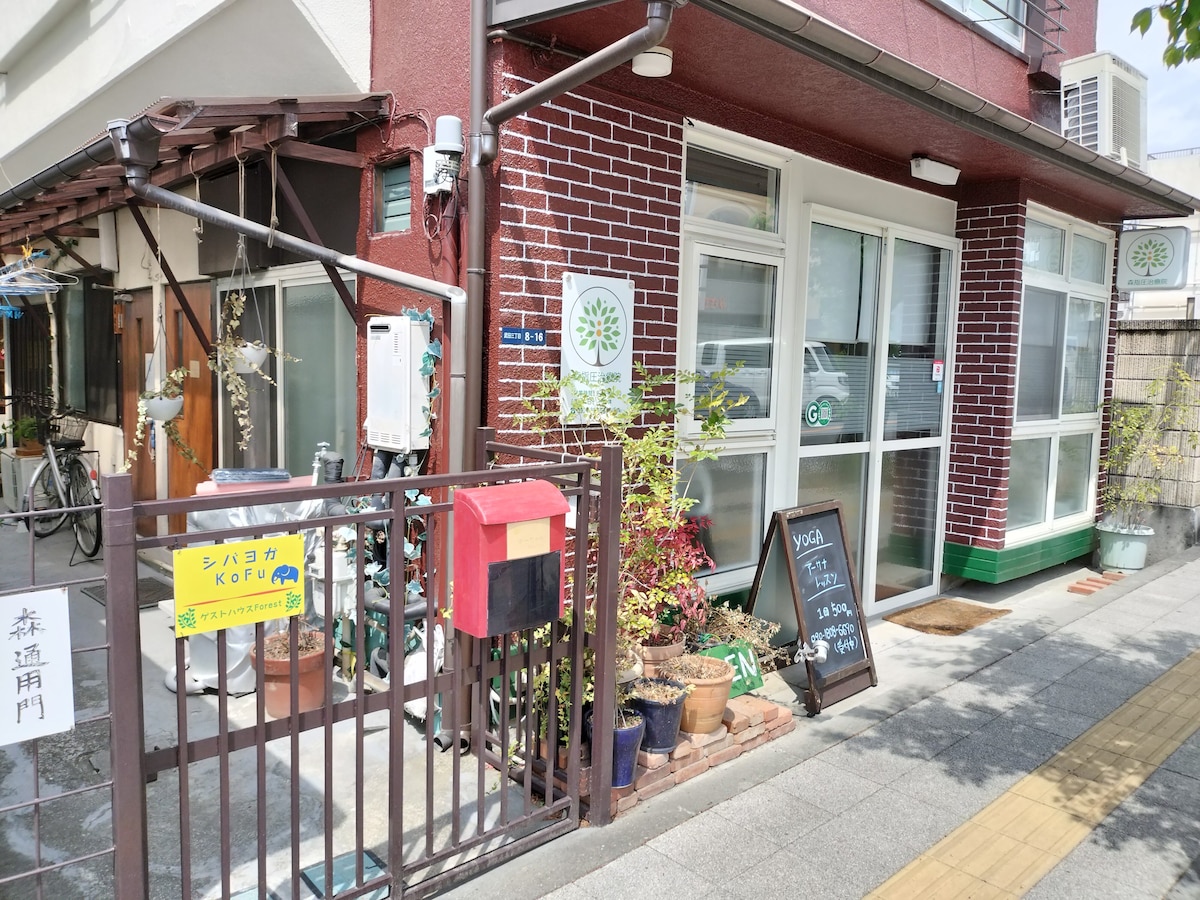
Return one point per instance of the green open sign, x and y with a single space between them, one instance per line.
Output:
746 674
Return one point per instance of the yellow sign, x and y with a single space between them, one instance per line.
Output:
240 583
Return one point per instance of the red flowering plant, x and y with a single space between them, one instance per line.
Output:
660 598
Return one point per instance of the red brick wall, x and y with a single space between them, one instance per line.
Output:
985 369
586 185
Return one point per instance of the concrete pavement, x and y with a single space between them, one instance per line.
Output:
1050 752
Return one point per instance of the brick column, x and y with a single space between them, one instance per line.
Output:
985 374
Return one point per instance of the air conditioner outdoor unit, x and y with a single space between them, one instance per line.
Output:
1104 107
397 392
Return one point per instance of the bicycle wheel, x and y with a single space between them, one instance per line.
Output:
45 497
86 523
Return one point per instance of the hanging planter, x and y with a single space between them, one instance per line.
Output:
163 409
162 405
248 358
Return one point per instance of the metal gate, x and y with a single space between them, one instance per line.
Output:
413 774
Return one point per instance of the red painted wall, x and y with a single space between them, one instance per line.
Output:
930 36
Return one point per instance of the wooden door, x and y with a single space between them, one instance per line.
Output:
137 347
197 423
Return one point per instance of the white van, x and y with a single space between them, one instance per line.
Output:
821 380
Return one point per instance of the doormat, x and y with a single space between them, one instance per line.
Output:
151 592
945 616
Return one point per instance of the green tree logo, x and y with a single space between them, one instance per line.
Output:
1149 255
598 327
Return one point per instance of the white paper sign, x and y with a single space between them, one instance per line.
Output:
37 695
597 338
1153 259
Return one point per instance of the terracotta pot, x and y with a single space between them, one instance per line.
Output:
313 675
653 657
704 707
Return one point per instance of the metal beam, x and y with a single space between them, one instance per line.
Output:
176 288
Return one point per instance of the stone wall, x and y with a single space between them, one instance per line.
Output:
1145 349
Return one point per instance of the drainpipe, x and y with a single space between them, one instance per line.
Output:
138 152
485 125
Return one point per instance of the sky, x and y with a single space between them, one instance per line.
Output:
1174 101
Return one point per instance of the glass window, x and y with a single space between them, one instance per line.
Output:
843 478
1073 484
731 191
843 288
1003 18
1027 493
89 374
908 498
319 386
731 507
1044 247
1038 378
1060 374
395 207
1089 259
917 341
1061 355
735 324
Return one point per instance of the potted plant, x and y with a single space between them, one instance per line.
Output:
24 435
629 727
660 702
312 671
1146 443
233 357
163 404
708 680
659 598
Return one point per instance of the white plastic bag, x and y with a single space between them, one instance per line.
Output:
415 666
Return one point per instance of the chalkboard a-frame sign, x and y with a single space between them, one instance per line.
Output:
807 548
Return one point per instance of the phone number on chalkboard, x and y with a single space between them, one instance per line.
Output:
841 629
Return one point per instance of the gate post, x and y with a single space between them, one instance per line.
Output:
127 738
604 704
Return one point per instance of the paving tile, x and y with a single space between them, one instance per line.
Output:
965 778
715 847
642 872
824 785
775 816
880 764
1094 702
908 820
940 713
1033 744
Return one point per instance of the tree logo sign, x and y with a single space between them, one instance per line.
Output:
598 326
1153 259
597 335
1149 254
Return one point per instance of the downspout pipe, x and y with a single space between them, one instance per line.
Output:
139 153
485 145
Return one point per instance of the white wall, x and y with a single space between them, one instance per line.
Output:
84 63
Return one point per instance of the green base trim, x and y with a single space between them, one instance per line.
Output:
996 566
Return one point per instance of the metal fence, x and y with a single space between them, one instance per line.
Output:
407 778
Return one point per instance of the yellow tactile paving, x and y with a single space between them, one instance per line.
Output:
1008 846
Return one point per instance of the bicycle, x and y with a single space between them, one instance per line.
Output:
64 481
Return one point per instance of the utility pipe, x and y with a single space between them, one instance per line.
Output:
139 153
485 125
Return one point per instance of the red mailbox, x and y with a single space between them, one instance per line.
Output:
509 556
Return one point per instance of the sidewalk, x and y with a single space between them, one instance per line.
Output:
1026 755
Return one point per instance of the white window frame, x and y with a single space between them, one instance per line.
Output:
990 16
1070 423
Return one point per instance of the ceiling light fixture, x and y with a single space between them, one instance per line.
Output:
931 170
653 63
